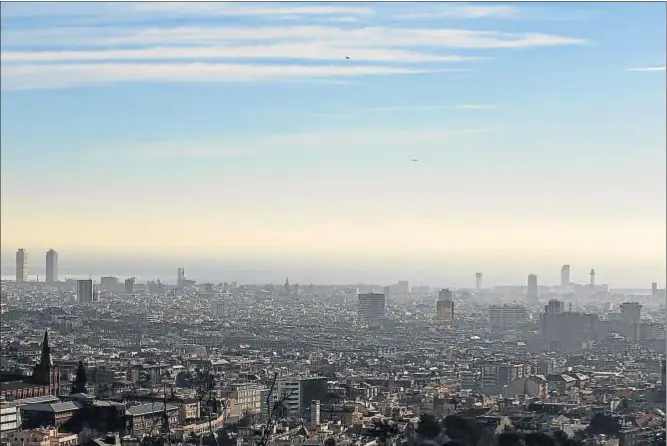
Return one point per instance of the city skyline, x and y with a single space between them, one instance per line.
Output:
250 273
242 136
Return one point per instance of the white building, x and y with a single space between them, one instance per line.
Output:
51 267
10 418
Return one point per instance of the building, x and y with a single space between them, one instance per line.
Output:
180 276
10 418
42 437
37 415
631 314
567 332
21 266
497 375
554 306
129 285
531 291
109 282
84 291
298 393
51 267
445 306
45 378
565 275
146 419
508 316
371 309
479 281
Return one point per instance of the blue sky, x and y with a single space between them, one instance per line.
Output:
243 131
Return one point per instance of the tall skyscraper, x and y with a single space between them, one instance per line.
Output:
51 267
478 281
129 285
371 308
531 291
631 314
592 274
181 276
21 266
84 291
565 275
445 306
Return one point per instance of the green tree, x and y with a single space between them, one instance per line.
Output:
79 385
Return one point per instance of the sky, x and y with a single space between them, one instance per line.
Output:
264 140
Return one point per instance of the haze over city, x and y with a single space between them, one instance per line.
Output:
336 143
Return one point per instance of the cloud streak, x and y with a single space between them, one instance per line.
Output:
56 56
21 77
647 69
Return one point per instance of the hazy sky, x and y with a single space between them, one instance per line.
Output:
240 132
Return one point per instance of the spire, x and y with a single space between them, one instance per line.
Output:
46 359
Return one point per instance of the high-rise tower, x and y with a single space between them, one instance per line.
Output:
181 276
592 274
565 275
21 266
51 267
478 281
531 292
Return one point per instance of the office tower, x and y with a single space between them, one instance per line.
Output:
371 308
531 292
630 314
21 266
654 289
109 282
181 276
592 274
478 281
565 275
84 291
445 306
554 306
129 285
51 267
508 316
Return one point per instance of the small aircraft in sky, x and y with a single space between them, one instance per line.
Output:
414 160
347 57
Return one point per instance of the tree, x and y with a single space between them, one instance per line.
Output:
429 427
81 379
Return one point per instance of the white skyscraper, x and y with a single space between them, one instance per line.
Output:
51 266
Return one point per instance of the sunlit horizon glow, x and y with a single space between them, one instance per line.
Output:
242 134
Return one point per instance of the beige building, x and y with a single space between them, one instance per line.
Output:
42 437
532 386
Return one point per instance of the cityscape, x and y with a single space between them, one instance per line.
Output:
333 224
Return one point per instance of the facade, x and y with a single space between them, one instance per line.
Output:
180 276
129 285
508 316
532 386
532 293
299 392
45 379
42 437
144 418
51 267
631 313
84 291
565 275
445 306
10 418
21 266
371 309
47 414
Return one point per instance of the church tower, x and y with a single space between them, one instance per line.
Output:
46 373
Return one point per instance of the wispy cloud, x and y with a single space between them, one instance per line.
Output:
21 77
298 50
51 55
647 69
464 11
476 107
316 141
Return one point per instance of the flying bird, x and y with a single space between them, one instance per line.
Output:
347 57
414 160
